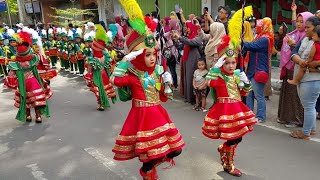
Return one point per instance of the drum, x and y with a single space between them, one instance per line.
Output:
48 74
53 52
59 54
80 56
73 59
3 61
65 56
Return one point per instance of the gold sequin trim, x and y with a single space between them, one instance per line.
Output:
148 144
238 123
234 134
156 131
227 100
231 117
126 138
31 99
128 148
140 103
125 156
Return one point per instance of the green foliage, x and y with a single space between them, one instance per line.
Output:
64 16
13 7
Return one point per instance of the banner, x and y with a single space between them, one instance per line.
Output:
3 6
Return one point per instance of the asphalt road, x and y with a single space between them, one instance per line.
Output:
76 142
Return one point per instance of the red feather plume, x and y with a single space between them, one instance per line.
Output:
152 25
224 43
25 37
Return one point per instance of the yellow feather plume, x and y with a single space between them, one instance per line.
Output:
133 9
235 25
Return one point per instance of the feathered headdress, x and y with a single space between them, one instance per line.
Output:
235 25
136 19
143 27
101 34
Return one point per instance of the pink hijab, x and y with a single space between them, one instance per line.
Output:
167 26
296 35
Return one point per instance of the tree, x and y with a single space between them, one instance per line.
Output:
71 15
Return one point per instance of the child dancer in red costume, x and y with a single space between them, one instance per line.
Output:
30 92
229 119
148 132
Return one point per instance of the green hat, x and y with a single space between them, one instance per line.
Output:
77 35
63 34
34 41
70 38
11 38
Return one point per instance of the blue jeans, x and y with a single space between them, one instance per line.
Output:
258 94
308 94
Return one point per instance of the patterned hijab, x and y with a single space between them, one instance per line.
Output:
264 29
297 36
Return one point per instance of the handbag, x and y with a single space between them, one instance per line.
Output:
260 76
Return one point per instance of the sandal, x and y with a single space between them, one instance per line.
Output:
299 135
313 132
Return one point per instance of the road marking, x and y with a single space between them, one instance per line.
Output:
264 125
109 163
36 172
284 131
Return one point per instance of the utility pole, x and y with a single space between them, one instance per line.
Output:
21 10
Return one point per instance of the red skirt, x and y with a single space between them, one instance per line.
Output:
148 133
36 96
228 121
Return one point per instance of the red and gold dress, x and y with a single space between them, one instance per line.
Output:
36 96
229 118
148 132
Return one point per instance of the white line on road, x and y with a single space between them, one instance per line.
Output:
284 131
36 172
109 163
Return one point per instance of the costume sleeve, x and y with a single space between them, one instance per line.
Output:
246 89
163 97
258 45
191 42
121 69
213 83
122 81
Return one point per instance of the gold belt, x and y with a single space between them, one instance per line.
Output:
227 100
139 103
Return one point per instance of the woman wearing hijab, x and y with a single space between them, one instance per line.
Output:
290 111
189 60
214 38
309 86
258 67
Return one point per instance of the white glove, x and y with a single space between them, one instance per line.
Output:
220 62
167 78
131 56
243 77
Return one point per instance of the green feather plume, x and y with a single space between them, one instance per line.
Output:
101 33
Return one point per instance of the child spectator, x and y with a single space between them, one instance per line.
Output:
199 86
